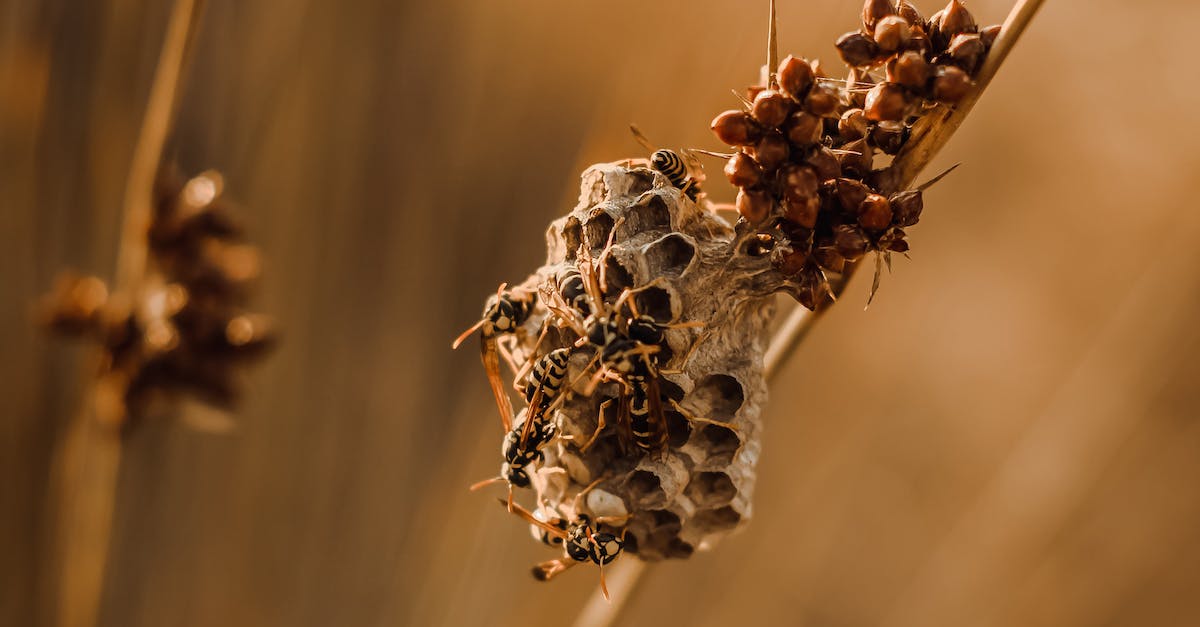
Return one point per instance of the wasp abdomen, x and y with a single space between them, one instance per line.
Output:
671 165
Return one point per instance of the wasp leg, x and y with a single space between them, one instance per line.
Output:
600 424
693 418
548 570
607 247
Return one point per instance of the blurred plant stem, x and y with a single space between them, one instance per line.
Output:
929 136
88 459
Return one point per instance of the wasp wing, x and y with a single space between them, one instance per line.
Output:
491 365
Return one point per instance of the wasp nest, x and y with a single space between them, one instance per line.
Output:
646 242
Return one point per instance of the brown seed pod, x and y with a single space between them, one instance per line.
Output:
771 151
952 20
742 170
754 205
822 101
889 137
874 11
825 163
850 194
853 125
950 84
803 129
76 305
857 83
886 101
800 185
735 128
771 108
858 49
792 263
909 69
892 33
850 241
906 207
829 259
989 35
918 41
906 10
875 213
795 77
892 240
803 212
967 51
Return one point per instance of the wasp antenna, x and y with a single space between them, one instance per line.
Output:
466 334
603 585
927 184
584 491
485 483
641 139
709 153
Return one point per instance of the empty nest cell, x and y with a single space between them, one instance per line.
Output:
670 255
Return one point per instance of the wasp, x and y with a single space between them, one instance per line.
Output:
581 539
532 431
545 380
574 292
522 449
674 166
503 313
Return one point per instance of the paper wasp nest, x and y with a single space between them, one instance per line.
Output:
682 264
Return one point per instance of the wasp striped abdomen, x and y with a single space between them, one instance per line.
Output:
671 165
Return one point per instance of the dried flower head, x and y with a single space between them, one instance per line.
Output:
185 325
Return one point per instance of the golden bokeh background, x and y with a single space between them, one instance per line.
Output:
1008 436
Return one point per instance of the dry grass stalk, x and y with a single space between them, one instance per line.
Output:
933 133
87 462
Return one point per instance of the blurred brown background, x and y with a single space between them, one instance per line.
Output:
1008 436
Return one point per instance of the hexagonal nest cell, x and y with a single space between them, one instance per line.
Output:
683 266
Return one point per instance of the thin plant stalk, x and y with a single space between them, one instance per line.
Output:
932 133
89 457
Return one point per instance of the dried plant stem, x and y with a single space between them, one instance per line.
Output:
600 612
772 47
88 459
932 133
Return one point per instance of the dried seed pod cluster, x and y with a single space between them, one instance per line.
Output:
184 325
806 160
